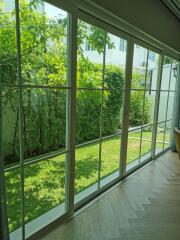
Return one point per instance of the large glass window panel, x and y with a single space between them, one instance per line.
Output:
142 104
110 158
166 103
133 149
42 117
99 98
86 170
43 43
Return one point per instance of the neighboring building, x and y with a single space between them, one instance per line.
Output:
117 55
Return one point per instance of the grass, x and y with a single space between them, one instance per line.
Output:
44 182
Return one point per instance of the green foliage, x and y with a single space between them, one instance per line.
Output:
44 62
138 102
89 102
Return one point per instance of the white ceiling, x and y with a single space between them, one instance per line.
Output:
174 6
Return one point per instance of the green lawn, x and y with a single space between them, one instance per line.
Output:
45 181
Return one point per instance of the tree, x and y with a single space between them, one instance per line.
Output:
44 67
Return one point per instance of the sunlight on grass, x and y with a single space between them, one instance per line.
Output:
45 181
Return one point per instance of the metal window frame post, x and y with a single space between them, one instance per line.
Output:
126 106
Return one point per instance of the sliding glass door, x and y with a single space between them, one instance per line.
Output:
167 96
100 91
66 116
35 92
142 103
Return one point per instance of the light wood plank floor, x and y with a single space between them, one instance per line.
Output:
146 206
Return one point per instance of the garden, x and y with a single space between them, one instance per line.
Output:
45 92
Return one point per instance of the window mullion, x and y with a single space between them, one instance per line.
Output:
167 106
143 107
71 113
126 106
156 107
101 114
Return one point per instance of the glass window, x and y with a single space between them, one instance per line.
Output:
99 102
166 103
42 100
142 105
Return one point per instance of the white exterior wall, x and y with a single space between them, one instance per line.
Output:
164 94
117 57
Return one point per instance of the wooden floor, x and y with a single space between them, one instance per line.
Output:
146 206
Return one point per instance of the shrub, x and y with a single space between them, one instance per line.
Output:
44 111
44 60
136 115
89 101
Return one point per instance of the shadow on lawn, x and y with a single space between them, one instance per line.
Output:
44 187
87 167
